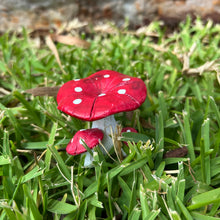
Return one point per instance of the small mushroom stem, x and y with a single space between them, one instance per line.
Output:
88 159
106 143
108 124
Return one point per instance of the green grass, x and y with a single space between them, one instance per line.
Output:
38 180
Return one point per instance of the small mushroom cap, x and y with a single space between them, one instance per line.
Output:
90 136
128 129
101 94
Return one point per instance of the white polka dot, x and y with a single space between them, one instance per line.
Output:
128 130
102 94
126 79
80 141
76 79
78 89
121 91
106 76
77 101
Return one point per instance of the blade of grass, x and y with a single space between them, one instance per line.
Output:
204 199
82 210
35 172
199 216
153 215
214 209
9 213
5 160
135 214
215 109
187 131
60 207
31 110
159 138
205 148
181 182
163 106
169 198
50 143
144 203
160 169
109 187
183 209
132 199
31 203
133 166
60 163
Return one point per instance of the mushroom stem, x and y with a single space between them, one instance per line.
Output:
88 159
107 124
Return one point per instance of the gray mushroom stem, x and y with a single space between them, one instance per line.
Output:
107 124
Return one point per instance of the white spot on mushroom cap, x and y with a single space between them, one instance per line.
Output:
77 101
80 141
128 130
126 79
106 76
76 79
102 94
78 89
121 91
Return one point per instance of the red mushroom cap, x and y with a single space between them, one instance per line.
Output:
90 136
128 129
102 94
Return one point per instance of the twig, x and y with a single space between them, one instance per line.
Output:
44 91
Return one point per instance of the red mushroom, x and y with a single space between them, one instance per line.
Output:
128 129
91 137
100 95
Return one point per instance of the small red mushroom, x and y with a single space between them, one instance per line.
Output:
128 129
90 136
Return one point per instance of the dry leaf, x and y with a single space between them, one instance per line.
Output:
201 69
179 152
208 66
186 58
216 69
70 40
44 91
53 48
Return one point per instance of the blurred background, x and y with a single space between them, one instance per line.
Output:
47 14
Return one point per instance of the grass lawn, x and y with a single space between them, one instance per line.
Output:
39 180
